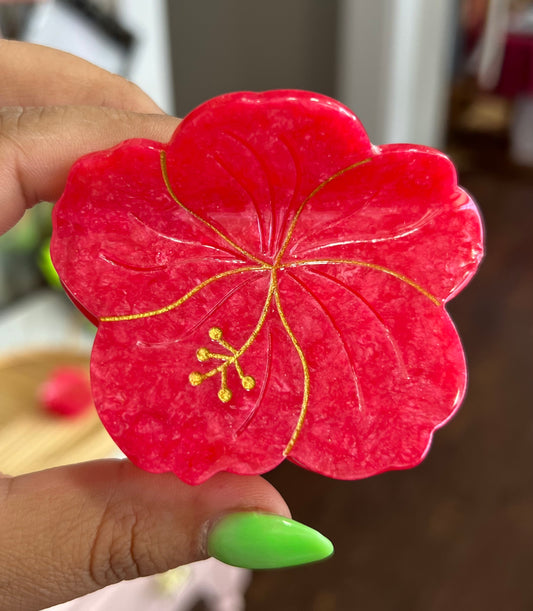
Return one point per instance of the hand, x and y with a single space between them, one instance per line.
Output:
71 530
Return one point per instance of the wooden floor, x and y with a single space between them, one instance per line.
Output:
456 532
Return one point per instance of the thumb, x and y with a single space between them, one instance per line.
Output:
68 531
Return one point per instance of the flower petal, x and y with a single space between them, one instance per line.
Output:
121 244
175 426
262 153
386 369
402 211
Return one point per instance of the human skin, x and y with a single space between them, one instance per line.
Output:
71 530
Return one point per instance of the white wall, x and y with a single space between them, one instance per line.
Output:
394 66
59 26
151 69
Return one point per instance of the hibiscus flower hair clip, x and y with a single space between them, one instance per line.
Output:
269 285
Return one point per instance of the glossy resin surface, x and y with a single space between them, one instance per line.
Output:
269 285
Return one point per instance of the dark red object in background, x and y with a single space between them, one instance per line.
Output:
516 76
66 392
269 285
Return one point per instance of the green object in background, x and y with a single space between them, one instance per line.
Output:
20 250
47 267
254 540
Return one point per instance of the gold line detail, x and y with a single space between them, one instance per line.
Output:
226 345
375 266
305 367
310 196
261 320
164 172
183 299
215 333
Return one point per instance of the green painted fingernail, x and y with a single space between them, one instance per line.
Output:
264 541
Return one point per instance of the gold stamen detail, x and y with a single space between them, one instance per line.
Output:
224 394
247 382
215 333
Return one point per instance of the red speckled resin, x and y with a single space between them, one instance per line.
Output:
269 285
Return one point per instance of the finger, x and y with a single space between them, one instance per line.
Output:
39 145
33 75
71 530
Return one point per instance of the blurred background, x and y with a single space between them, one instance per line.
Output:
457 531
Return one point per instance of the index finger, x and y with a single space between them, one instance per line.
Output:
33 75
39 145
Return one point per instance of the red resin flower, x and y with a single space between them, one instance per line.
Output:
269 285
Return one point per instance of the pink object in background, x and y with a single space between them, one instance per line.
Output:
270 285
66 392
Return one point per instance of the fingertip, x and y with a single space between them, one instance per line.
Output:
224 492
97 523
